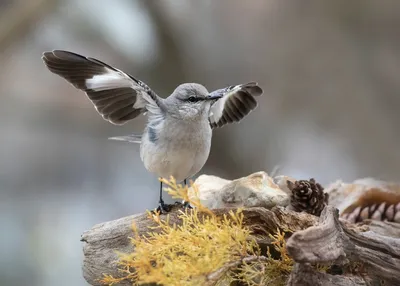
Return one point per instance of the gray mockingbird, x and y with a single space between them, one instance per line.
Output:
177 138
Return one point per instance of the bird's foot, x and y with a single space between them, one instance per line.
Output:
186 205
164 208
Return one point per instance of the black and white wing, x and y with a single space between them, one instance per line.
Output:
236 102
118 97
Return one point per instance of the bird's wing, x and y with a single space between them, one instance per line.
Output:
117 96
236 102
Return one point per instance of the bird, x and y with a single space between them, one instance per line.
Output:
176 139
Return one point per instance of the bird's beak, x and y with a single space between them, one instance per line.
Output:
214 96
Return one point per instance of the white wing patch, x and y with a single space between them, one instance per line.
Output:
113 80
109 80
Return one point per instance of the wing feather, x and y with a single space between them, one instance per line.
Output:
236 102
118 97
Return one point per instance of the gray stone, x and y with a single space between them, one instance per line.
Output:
257 189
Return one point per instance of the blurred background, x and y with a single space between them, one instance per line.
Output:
330 71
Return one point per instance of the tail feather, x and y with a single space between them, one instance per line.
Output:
133 138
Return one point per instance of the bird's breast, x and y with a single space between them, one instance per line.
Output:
178 149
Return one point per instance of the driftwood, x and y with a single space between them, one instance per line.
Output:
373 247
103 240
332 241
304 274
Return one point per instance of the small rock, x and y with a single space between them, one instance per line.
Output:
281 182
257 189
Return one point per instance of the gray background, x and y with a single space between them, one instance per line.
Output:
330 71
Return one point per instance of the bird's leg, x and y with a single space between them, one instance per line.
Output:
186 204
162 207
161 201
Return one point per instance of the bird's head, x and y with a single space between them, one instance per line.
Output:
190 101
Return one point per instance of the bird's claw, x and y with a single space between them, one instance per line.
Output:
163 208
186 205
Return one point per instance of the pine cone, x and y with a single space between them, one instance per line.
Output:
307 196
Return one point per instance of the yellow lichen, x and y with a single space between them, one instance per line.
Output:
205 249
268 271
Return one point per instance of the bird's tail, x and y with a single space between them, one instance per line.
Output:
133 138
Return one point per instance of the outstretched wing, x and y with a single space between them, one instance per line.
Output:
236 102
118 97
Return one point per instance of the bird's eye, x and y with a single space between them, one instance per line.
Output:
193 99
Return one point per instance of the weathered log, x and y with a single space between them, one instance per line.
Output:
375 245
335 242
383 228
305 275
103 241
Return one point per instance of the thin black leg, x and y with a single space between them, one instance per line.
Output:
161 201
186 204
162 207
